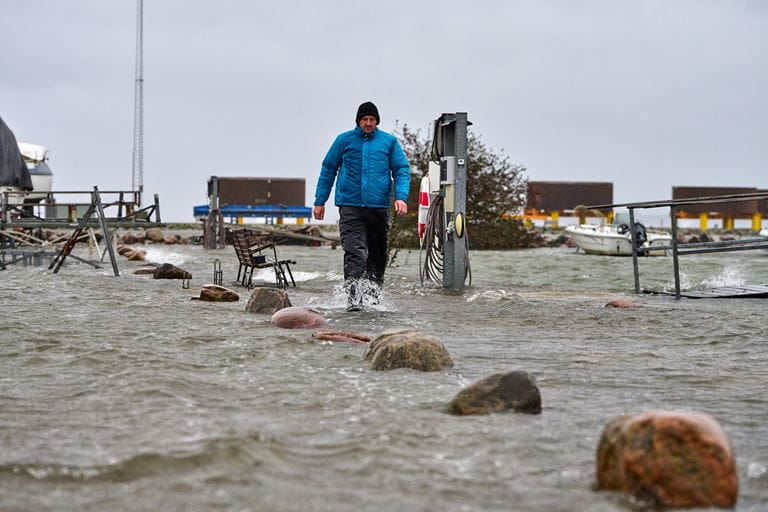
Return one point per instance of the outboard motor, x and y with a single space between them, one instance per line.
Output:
641 236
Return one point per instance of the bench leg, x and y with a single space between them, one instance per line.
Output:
279 277
288 268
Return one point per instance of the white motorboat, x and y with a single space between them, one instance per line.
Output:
616 240
36 158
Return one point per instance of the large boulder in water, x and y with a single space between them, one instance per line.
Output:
295 317
407 348
668 459
168 271
515 390
155 235
333 336
267 301
215 293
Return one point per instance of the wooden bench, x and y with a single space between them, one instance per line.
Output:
253 256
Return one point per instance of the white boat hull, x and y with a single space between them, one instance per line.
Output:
15 198
607 241
42 184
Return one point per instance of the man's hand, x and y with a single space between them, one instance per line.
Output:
319 212
401 207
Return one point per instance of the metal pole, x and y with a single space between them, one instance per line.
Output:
634 249
673 219
454 129
105 232
460 203
138 106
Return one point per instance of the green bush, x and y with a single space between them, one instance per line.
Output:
495 191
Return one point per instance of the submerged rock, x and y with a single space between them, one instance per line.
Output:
130 239
267 301
136 255
296 317
668 459
168 271
215 293
515 390
407 348
620 303
144 271
337 336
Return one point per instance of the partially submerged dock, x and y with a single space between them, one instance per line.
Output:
22 226
682 249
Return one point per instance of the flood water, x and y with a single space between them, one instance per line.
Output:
124 394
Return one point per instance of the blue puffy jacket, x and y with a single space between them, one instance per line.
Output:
366 166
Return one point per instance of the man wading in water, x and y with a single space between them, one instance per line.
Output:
367 161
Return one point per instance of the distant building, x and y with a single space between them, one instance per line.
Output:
272 199
549 200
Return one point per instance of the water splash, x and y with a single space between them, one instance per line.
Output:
268 275
164 255
373 297
489 296
730 275
756 470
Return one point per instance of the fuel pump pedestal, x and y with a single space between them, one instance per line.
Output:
449 148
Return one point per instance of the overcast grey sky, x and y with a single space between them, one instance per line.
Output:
646 94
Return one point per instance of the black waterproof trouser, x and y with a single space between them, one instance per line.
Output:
364 233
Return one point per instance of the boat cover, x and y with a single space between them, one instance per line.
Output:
13 170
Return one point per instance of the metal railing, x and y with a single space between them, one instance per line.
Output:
13 213
680 249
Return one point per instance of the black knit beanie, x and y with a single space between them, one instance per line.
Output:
367 109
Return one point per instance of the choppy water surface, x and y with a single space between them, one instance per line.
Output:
123 394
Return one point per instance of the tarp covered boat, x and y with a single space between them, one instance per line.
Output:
14 174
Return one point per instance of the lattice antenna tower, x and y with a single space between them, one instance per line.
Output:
138 106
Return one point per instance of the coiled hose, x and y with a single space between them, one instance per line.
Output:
433 245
